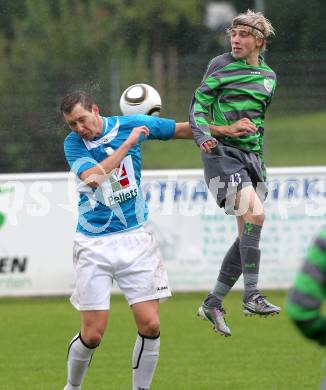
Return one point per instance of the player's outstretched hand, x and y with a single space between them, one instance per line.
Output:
136 133
207 146
241 127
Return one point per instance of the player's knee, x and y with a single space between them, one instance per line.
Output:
258 219
92 336
150 328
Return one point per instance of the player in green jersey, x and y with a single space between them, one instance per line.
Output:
234 94
306 297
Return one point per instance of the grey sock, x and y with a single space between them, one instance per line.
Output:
250 258
229 273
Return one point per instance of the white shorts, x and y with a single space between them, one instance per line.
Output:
132 258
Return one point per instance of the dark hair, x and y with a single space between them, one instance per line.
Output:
71 99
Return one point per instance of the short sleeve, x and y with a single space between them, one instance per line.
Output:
159 128
77 155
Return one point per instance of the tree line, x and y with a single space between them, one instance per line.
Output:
51 46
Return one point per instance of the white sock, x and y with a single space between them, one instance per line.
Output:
144 361
79 358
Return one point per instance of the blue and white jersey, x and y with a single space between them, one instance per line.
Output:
118 203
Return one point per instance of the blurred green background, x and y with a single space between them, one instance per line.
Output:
50 47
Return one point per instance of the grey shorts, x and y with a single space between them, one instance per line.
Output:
228 170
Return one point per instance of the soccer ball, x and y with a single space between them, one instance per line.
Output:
140 99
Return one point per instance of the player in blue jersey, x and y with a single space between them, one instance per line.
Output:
111 241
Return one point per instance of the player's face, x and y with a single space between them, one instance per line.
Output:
245 45
88 124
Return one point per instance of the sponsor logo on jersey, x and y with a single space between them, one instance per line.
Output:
268 84
122 197
119 178
123 183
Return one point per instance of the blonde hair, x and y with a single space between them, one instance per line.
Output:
258 25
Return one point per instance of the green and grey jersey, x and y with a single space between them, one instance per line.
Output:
232 90
305 299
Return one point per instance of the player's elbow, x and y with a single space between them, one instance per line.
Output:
92 184
92 178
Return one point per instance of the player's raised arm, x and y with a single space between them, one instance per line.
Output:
94 176
242 127
82 116
183 131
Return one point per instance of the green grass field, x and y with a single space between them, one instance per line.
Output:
262 354
290 141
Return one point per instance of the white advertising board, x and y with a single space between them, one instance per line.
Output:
38 218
